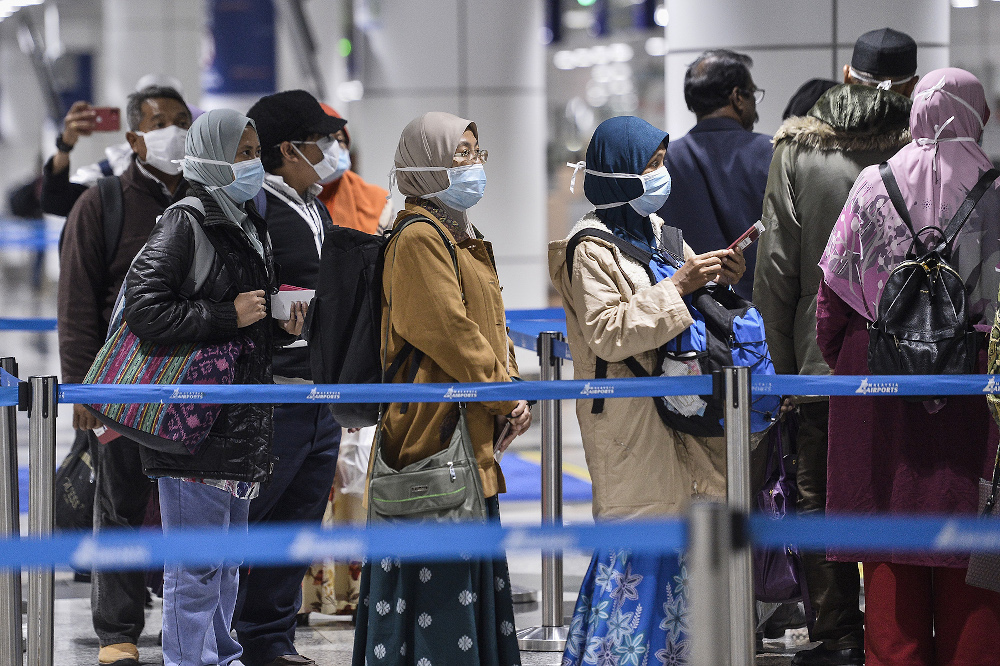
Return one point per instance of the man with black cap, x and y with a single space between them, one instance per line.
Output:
816 161
299 151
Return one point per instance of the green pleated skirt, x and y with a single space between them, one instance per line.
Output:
436 613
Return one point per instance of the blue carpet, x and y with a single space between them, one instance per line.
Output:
524 481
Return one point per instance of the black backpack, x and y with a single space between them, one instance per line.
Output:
345 317
923 325
734 334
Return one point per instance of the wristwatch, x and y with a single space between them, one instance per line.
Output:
61 145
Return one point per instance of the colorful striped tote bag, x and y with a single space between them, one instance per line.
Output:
169 427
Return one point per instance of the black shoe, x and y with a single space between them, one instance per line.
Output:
291 660
787 616
820 656
302 620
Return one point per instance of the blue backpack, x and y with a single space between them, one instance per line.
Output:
727 331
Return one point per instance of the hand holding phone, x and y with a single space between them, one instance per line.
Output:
107 118
499 446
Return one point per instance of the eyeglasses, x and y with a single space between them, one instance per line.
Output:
758 94
468 155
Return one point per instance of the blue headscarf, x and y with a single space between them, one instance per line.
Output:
621 145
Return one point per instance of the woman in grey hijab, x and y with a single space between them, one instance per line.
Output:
452 312
204 276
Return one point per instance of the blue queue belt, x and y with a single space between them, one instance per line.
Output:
27 324
284 544
883 385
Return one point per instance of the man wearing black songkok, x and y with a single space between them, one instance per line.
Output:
817 158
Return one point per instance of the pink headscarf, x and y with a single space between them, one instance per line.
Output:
935 173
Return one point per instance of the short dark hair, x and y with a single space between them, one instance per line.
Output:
711 78
135 101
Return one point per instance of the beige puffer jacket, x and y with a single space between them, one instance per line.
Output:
639 466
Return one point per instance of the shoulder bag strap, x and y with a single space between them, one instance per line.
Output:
673 242
626 248
991 502
390 372
965 210
896 197
112 213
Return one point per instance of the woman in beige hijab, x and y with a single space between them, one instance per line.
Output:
442 612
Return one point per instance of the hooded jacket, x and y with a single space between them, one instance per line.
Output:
816 161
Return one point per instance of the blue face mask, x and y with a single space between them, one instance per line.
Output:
248 178
466 185
343 165
655 190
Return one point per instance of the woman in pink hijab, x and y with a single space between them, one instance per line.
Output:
888 455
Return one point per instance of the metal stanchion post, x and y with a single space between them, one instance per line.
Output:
741 599
551 636
41 512
708 557
10 527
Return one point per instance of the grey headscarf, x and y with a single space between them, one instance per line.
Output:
215 135
430 141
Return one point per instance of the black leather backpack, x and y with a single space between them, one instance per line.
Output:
923 325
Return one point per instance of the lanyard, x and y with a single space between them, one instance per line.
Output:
307 212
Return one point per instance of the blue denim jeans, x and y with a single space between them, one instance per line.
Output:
198 600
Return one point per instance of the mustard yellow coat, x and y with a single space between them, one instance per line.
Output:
463 342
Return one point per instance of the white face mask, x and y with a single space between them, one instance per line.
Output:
165 148
248 177
655 188
333 165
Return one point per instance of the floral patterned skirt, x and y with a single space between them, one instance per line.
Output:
332 587
632 611
436 613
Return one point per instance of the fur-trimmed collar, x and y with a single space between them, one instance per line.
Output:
814 133
852 117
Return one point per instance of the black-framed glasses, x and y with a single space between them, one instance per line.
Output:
758 94
468 155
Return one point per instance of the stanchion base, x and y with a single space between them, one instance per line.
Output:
543 639
523 595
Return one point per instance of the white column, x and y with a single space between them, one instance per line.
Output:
791 41
147 36
482 60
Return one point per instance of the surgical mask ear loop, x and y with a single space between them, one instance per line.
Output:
576 168
393 181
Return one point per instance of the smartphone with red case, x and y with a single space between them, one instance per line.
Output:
107 119
749 237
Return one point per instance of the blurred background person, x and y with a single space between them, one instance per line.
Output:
719 168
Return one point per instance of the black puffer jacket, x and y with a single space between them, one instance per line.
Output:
239 445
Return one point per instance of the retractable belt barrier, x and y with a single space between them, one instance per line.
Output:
117 548
715 535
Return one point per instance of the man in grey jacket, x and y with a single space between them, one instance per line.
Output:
816 161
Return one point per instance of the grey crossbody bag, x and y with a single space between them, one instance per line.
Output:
443 487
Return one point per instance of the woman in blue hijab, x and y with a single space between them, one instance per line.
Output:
623 279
